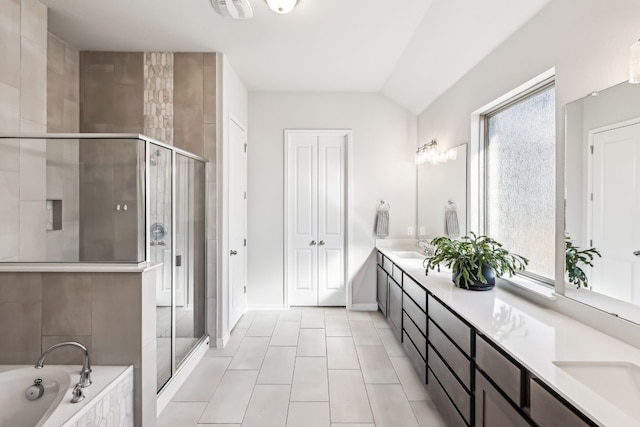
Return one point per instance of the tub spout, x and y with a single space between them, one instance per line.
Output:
85 374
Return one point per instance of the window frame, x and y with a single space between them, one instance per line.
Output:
483 116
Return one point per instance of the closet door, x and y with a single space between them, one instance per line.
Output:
331 223
302 219
315 217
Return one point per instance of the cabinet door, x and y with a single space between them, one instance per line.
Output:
382 284
494 410
395 306
547 410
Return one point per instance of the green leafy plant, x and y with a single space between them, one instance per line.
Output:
574 259
468 257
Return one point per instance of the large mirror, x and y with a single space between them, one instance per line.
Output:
442 197
602 193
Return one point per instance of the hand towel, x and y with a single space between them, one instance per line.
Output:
451 226
382 223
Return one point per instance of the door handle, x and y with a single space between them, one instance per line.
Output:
232 252
636 253
313 243
321 242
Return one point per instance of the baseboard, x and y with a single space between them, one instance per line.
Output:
181 375
373 306
254 307
221 342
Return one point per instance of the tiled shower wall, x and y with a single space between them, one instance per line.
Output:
38 93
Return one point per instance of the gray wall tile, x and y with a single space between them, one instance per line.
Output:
66 308
33 169
9 108
10 43
33 92
32 230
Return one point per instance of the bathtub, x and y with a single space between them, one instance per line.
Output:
109 400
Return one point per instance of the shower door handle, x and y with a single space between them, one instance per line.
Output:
636 253
233 252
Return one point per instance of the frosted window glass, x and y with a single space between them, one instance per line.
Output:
521 180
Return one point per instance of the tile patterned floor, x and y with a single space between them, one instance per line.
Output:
305 367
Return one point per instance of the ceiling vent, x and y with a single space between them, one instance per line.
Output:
234 9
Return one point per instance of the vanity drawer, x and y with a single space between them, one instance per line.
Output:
506 374
457 361
460 397
548 410
446 408
397 274
418 316
387 264
455 328
379 258
416 336
415 291
414 356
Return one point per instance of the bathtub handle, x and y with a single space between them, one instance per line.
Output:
78 394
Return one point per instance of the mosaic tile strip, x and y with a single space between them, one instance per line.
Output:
158 96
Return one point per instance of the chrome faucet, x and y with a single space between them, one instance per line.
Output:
85 374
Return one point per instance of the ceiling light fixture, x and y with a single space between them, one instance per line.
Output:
234 9
634 63
282 6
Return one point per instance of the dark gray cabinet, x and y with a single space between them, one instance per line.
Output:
383 290
395 306
549 410
493 409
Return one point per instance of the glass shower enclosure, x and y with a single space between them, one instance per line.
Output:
119 199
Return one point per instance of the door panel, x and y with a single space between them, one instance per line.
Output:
237 221
616 207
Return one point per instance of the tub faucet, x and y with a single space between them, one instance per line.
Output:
85 374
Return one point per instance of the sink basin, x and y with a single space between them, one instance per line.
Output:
616 382
409 255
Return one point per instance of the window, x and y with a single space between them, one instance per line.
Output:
519 178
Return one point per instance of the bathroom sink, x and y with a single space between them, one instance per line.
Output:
616 382
409 255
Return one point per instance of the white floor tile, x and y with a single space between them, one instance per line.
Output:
232 346
268 406
245 320
203 381
277 367
337 326
310 382
358 315
364 333
229 402
263 325
427 414
376 365
339 312
312 317
250 353
391 342
285 334
341 353
379 320
294 314
312 342
181 414
308 414
348 397
390 406
413 387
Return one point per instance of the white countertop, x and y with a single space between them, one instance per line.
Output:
534 335
77 267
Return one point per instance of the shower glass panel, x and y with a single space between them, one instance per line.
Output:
160 250
190 255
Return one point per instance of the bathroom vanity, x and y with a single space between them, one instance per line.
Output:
495 358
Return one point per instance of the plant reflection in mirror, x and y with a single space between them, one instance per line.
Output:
575 258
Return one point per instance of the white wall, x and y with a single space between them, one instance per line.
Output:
382 168
587 41
233 99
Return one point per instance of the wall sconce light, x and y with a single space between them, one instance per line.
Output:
282 6
428 153
634 63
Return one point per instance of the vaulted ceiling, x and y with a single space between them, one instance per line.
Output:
410 50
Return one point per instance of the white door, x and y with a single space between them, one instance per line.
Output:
616 212
237 220
315 217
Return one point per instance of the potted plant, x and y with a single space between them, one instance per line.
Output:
574 257
476 261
